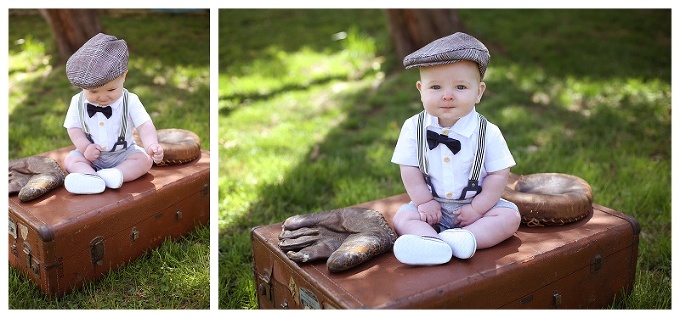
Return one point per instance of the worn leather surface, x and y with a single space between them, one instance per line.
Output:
179 146
59 230
31 177
344 237
549 198
586 262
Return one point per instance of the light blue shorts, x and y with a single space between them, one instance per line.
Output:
449 220
108 159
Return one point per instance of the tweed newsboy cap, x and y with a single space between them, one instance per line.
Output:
100 60
450 49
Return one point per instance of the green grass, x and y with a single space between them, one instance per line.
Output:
170 71
308 123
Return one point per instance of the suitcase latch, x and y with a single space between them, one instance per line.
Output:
12 228
595 264
264 285
205 191
134 234
31 263
97 250
557 299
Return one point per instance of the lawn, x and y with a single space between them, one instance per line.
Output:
311 102
170 71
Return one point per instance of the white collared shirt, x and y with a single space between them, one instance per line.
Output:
450 173
105 131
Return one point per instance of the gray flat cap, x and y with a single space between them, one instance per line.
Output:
450 49
100 60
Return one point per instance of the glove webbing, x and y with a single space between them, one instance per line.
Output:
123 121
473 180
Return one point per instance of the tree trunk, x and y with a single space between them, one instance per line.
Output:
71 28
412 29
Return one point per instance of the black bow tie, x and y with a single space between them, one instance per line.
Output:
92 109
434 139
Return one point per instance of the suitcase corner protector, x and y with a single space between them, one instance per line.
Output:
46 233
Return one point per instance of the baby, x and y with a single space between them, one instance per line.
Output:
101 118
454 163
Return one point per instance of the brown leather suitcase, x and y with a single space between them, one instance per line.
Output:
62 240
586 264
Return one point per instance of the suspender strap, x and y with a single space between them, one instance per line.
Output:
421 137
123 121
473 180
123 124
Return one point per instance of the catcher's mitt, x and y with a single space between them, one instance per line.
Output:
549 198
346 237
34 176
179 146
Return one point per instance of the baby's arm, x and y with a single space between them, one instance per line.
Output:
79 139
429 209
148 135
494 184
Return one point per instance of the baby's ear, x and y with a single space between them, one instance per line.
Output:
481 89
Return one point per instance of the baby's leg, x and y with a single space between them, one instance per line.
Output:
135 166
75 162
82 179
418 242
407 221
495 226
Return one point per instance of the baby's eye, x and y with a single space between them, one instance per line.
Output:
436 87
460 87
111 89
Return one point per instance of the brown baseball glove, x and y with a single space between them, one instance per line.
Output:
179 146
549 198
34 176
345 237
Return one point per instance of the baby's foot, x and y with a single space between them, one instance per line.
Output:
81 183
462 242
421 250
112 177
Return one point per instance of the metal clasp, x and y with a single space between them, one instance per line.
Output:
264 286
31 263
121 142
97 250
473 185
557 299
134 234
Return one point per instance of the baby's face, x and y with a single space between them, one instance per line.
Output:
107 93
450 91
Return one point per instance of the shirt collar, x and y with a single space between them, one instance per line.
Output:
465 126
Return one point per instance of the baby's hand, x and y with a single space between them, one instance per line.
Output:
155 151
467 215
92 152
430 212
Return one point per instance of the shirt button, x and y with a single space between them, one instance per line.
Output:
101 123
445 132
103 148
447 159
449 194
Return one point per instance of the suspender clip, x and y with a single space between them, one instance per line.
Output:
121 142
473 185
